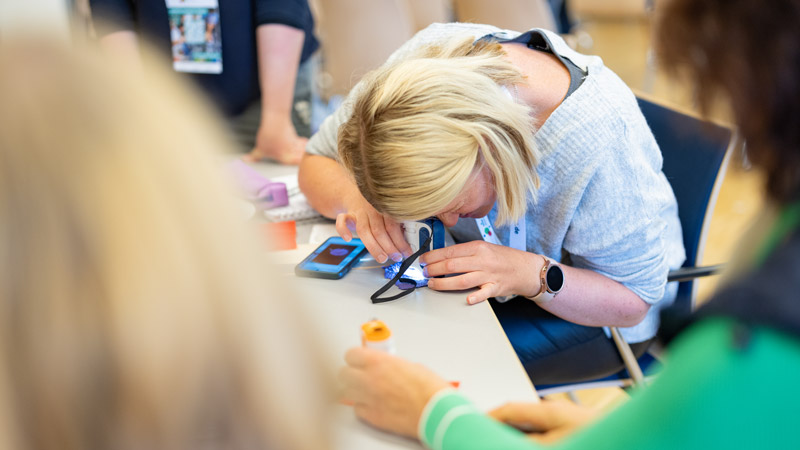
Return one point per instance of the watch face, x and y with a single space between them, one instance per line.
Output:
555 278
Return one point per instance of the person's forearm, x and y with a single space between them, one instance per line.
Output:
279 49
325 183
591 299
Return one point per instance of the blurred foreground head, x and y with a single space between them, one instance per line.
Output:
134 313
746 53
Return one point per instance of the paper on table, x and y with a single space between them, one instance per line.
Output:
292 185
298 209
320 232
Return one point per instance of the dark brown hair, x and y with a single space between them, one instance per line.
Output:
747 51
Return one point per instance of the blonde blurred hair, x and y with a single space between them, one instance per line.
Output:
134 313
421 126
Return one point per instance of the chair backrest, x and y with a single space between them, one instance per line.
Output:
358 36
520 15
696 154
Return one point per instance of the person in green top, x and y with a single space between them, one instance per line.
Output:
732 377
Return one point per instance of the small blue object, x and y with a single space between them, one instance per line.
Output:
412 274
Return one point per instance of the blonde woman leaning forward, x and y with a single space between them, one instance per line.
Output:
745 339
539 155
133 312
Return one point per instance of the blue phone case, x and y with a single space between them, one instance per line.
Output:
331 260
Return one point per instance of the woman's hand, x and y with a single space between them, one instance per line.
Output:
548 421
277 140
497 270
386 391
382 236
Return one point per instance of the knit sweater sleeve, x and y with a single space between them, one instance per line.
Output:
609 205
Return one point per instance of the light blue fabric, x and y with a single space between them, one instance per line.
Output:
604 203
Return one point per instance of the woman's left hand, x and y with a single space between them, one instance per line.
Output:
277 140
495 269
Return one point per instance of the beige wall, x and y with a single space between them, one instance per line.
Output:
517 15
35 18
358 35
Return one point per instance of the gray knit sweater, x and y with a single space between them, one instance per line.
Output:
604 203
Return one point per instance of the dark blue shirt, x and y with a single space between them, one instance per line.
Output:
237 86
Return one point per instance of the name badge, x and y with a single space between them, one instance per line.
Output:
194 31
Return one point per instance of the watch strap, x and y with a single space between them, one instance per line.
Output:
545 293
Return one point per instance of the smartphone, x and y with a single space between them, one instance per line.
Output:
332 260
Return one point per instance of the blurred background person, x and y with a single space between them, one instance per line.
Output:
253 58
133 307
730 380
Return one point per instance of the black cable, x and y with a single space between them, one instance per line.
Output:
400 272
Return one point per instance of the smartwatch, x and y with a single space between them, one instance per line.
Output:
551 278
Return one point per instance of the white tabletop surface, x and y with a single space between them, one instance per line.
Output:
438 329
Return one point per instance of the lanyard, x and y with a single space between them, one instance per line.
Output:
516 238
786 223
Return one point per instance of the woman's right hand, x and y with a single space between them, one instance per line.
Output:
382 236
386 391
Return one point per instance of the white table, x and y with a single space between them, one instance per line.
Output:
438 329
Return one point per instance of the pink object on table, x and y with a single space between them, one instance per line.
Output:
258 188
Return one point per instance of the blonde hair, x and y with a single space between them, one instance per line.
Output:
421 126
133 311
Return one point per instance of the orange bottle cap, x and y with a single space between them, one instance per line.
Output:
375 330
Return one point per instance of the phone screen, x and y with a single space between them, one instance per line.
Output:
332 259
334 254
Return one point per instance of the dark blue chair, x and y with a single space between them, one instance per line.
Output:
696 154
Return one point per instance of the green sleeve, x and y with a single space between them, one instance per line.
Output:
723 387
450 421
